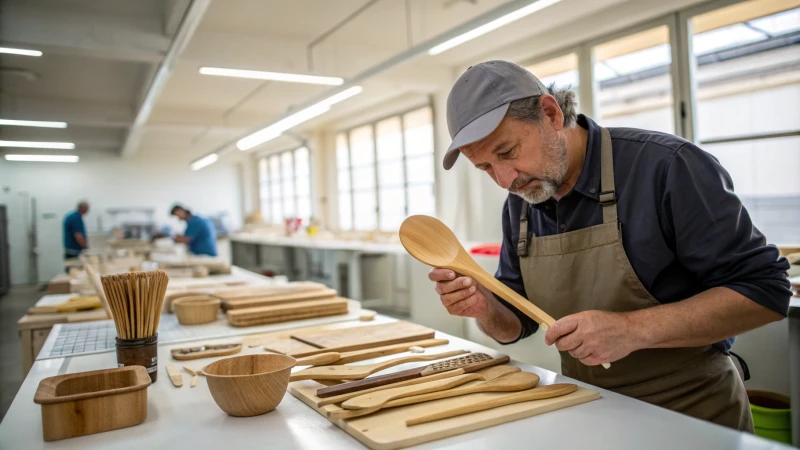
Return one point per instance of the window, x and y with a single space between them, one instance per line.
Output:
285 186
561 71
386 171
747 89
634 85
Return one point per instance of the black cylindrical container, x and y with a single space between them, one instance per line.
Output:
139 352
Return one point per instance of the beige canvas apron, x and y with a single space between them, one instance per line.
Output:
588 270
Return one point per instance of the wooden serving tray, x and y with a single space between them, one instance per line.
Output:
369 336
84 403
386 429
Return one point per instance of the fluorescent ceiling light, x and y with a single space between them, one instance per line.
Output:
274 76
43 158
491 26
271 132
33 123
20 51
204 161
30 144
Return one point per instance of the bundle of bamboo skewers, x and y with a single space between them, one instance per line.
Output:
136 300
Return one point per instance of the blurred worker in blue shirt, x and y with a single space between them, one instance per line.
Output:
200 235
75 239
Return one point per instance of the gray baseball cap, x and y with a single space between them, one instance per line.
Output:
479 100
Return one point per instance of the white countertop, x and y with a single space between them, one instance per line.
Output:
327 244
189 418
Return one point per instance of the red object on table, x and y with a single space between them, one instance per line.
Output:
486 249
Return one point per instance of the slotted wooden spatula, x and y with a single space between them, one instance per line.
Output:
539 393
360 372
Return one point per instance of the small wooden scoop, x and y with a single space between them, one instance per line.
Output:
540 393
430 241
360 372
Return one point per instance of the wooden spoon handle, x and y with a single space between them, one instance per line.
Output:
378 399
544 320
321 359
377 367
360 372
539 393
343 397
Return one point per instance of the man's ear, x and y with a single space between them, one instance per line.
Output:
552 112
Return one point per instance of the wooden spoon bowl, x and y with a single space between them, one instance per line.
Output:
249 385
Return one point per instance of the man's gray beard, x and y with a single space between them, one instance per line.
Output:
539 194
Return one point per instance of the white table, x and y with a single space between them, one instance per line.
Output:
189 418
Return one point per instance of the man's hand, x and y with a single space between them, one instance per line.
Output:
595 337
462 296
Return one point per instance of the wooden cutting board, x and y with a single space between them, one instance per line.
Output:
278 299
359 338
286 318
288 346
386 429
265 291
288 309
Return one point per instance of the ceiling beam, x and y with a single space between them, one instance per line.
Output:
182 37
75 113
86 34
173 13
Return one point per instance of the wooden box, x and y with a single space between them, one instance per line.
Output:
85 403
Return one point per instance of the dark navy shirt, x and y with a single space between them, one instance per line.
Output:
683 228
73 223
202 236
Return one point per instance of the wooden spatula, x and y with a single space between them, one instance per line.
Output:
361 355
360 372
539 393
377 399
430 241
342 397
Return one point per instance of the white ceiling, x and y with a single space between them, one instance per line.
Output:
100 57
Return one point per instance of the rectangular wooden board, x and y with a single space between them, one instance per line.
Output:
287 309
286 318
278 299
367 337
267 290
386 429
288 346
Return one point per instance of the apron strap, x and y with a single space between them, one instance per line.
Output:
522 243
607 197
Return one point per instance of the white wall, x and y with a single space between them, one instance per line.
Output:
107 182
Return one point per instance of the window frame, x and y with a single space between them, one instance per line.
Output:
281 178
373 124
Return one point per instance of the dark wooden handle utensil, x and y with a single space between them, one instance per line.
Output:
469 363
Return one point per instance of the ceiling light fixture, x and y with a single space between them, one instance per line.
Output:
20 51
31 144
33 123
277 128
204 161
491 26
274 76
43 158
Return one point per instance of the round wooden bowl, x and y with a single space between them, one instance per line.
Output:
196 310
249 385
183 294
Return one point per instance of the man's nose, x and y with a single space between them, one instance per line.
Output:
505 176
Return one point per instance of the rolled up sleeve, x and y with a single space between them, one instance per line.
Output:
714 237
508 271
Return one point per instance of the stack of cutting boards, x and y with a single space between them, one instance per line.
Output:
258 305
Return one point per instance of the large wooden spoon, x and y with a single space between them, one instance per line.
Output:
539 393
430 241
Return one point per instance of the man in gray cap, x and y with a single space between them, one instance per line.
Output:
633 240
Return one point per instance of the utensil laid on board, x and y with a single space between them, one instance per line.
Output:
510 381
205 351
539 393
361 355
342 397
378 399
469 363
431 242
175 375
363 371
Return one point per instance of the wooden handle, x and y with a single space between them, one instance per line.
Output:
521 303
361 355
347 396
378 399
321 359
359 372
539 393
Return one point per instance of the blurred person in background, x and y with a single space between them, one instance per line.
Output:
75 240
200 235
